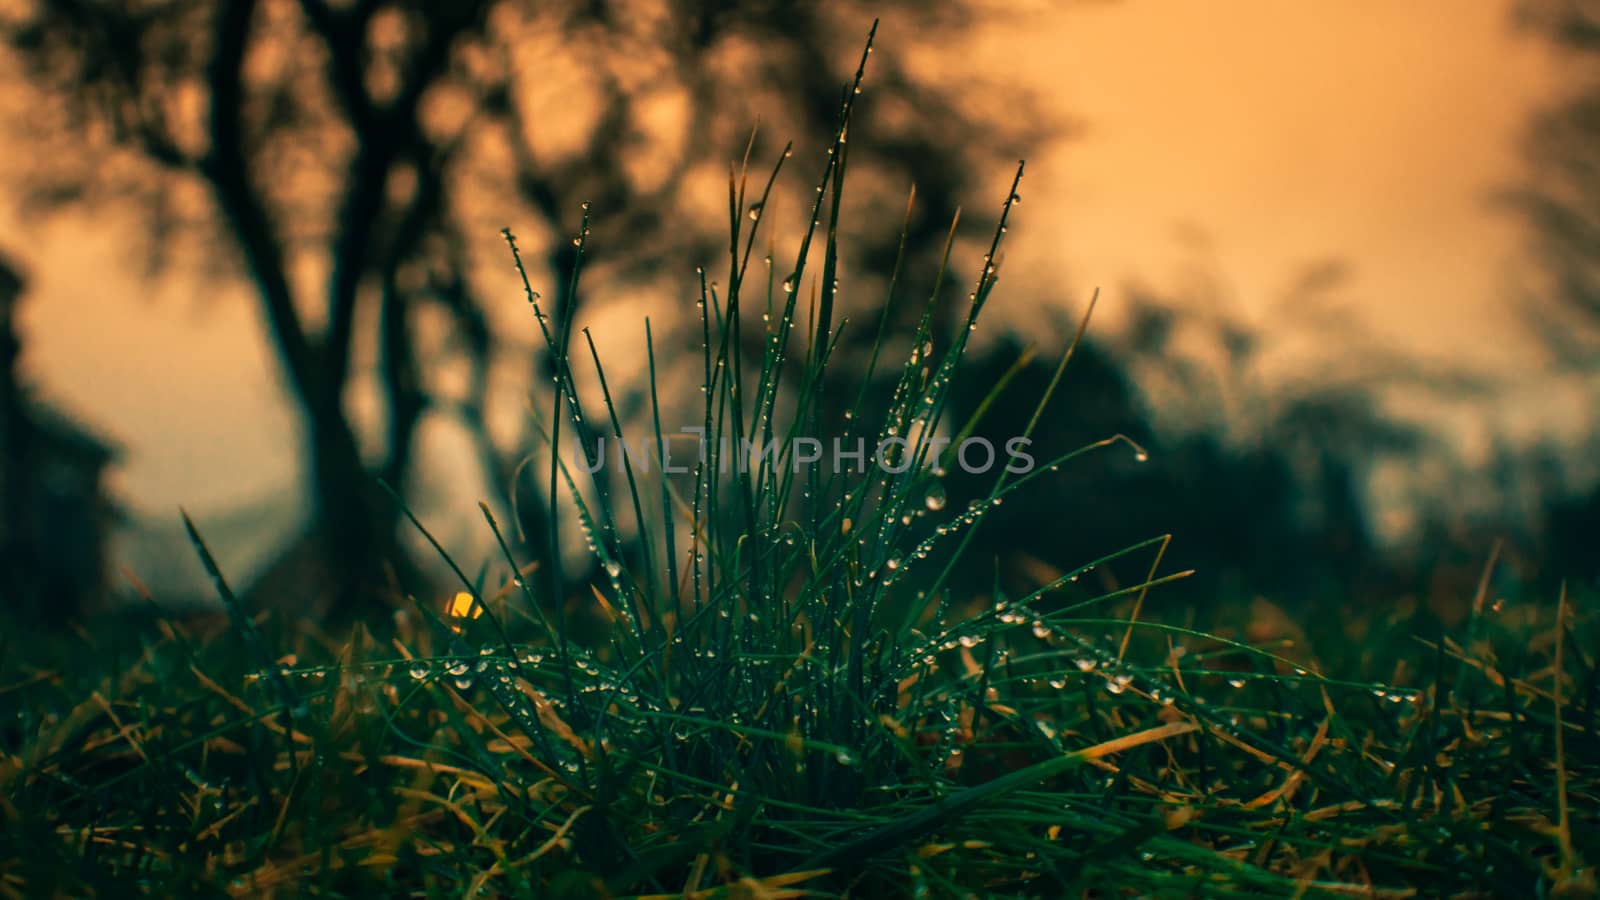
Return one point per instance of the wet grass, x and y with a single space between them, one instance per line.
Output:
777 688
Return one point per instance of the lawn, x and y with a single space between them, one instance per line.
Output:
782 685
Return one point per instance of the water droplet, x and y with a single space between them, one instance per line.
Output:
1236 682
845 757
755 211
788 285
969 640
613 568
1141 456
936 498
1085 664
1041 630
457 668
463 683
418 670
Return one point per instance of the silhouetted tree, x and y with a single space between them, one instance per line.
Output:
1262 483
1562 198
384 141
1561 201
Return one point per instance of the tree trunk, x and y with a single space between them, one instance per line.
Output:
349 561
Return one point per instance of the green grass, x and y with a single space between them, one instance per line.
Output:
777 689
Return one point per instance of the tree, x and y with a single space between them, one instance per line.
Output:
1561 201
1561 204
377 139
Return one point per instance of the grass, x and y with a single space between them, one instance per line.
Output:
788 696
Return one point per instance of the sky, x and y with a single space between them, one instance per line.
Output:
1252 138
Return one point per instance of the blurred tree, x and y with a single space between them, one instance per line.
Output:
1260 476
1561 201
1562 197
381 143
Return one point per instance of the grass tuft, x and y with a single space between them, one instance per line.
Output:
774 688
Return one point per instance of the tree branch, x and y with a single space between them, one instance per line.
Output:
226 168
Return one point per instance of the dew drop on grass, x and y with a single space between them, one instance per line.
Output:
755 211
1041 630
936 498
788 285
1141 456
969 640
457 668
463 683
1236 682
1085 664
845 757
418 671
613 568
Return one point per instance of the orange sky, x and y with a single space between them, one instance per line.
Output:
1372 130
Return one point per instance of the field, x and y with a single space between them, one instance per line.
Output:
785 684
